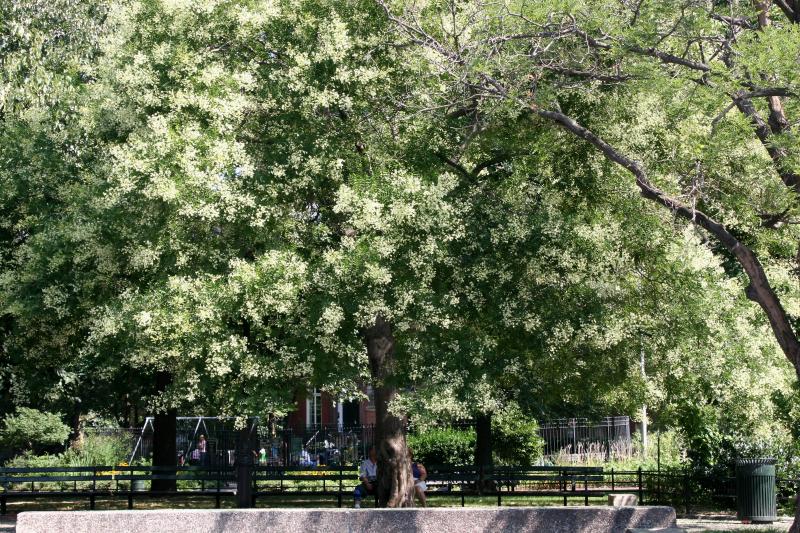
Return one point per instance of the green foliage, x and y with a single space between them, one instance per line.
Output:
669 444
516 439
30 460
31 430
231 191
91 450
99 449
443 446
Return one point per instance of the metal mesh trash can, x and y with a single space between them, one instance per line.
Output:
755 490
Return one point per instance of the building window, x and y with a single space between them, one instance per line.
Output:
370 397
314 409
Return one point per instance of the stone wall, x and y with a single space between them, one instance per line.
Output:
431 520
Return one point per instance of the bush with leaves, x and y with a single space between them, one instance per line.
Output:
516 439
33 431
99 449
443 446
93 450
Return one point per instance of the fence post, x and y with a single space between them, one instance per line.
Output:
219 485
612 479
254 475
574 422
94 488
658 487
586 489
641 488
341 479
686 490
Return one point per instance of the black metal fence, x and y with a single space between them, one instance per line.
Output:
686 489
572 440
609 438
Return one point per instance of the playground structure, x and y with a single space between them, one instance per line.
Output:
271 445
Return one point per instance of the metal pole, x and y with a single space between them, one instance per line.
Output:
644 407
641 489
574 437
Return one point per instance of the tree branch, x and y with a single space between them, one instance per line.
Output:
759 289
788 10
665 57
586 74
762 130
488 163
742 22
455 165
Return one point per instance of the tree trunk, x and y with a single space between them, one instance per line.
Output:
395 484
244 466
165 426
75 426
483 447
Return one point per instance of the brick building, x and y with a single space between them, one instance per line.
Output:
319 409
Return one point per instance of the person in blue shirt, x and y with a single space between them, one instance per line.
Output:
419 474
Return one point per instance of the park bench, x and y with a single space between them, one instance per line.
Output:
90 482
553 481
333 481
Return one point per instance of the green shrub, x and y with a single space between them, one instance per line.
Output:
515 439
29 460
441 446
97 449
92 450
33 431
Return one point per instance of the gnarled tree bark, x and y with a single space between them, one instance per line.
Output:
395 484
483 449
164 433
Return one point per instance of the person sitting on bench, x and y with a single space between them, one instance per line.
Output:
368 474
419 474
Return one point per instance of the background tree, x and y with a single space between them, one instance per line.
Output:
684 66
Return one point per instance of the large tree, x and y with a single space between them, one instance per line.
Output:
257 197
243 229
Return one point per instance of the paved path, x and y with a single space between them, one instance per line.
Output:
729 523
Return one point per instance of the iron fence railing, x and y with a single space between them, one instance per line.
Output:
685 489
608 438
574 440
